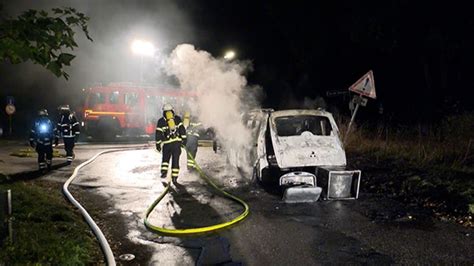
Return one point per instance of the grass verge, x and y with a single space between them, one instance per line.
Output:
433 169
46 229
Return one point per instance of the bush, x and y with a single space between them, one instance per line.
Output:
449 144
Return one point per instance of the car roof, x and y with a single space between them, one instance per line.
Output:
293 112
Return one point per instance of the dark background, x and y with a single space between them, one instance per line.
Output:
421 52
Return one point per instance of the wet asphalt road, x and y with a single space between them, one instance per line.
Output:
371 230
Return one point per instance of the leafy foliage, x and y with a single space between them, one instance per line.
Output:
41 38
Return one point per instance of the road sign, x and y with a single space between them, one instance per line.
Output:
335 93
365 85
10 109
359 100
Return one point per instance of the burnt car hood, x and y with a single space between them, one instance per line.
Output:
308 150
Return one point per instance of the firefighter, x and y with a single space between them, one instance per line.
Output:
42 136
68 128
212 134
170 134
192 132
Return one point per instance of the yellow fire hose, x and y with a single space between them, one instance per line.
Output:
198 230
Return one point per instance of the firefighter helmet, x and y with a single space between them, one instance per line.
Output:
43 112
64 107
167 107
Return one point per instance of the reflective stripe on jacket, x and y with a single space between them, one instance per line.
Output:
42 131
193 129
68 127
165 135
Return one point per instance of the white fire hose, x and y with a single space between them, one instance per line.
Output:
104 245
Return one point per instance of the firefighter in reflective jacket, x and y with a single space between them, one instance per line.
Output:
68 128
192 129
170 133
42 136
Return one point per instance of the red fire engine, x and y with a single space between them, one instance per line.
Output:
127 109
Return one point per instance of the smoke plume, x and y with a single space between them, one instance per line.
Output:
113 25
221 90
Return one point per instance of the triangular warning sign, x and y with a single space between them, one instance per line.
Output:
365 85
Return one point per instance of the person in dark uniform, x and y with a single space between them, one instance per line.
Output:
211 133
170 135
42 135
68 128
192 130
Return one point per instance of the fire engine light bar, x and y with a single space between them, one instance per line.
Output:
91 112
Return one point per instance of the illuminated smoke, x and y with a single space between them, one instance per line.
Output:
221 89
109 59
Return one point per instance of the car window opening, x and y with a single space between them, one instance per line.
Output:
296 125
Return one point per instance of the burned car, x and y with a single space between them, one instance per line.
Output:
301 151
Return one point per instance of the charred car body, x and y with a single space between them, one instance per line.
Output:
301 151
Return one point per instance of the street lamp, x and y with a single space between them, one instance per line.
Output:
229 55
142 48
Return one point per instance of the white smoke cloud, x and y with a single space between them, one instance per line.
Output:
113 26
221 89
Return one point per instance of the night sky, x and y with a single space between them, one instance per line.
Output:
421 52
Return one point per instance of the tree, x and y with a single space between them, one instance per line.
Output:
41 38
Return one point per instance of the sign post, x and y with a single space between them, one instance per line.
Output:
365 86
6 230
10 110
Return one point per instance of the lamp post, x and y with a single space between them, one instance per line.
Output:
142 48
